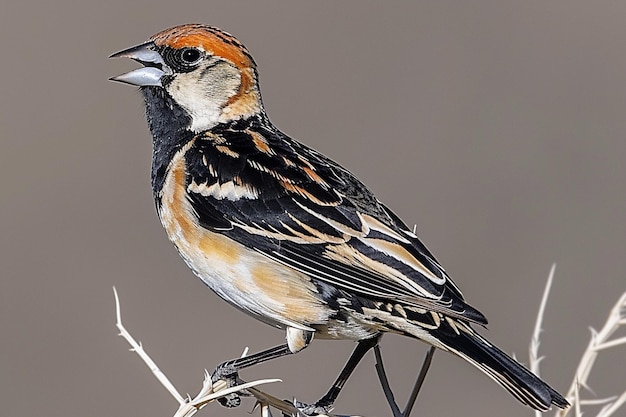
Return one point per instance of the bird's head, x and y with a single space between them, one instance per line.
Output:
205 71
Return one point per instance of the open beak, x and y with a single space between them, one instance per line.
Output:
152 72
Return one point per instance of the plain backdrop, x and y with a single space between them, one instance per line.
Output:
497 126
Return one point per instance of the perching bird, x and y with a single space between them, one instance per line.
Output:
284 233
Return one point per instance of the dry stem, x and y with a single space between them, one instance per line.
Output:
599 341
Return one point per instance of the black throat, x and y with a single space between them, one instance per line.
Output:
169 125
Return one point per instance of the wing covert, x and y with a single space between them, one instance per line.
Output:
295 206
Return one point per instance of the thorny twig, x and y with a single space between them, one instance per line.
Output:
534 358
599 341
209 392
212 391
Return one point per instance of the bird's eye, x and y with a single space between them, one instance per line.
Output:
184 59
190 56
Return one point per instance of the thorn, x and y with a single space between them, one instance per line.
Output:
256 405
245 352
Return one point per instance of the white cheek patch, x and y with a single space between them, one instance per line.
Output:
204 92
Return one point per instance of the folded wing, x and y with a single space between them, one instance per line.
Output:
300 209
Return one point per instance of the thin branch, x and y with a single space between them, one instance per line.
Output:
137 348
209 391
533 351
612 343
534 358
599 401
577 401
266 400
611 408
598 341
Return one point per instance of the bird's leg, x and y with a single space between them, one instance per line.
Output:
384 382
324 404
228 371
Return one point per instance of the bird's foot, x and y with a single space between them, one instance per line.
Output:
320 408
231 400
228 373
225 371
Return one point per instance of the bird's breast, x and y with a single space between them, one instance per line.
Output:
272 292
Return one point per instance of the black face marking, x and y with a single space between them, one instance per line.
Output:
169 125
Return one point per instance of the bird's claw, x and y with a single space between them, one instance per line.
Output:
317 409
227 373
231 400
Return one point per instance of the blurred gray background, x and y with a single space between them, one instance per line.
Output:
497 126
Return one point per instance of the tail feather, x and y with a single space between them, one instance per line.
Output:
506 371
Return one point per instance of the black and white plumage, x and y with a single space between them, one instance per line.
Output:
284 233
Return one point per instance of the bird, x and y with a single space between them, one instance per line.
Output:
286 234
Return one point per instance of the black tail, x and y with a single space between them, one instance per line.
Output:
506 371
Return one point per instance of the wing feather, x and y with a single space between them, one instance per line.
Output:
307 212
